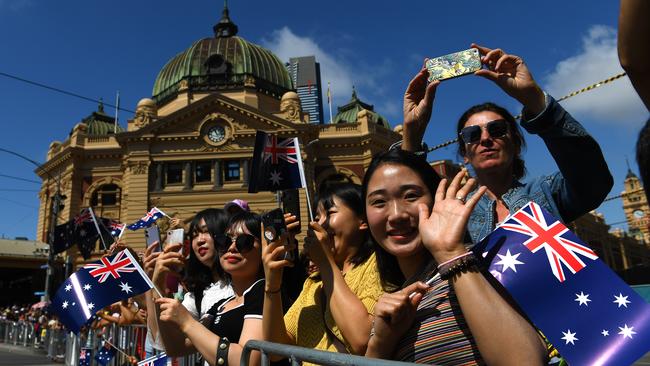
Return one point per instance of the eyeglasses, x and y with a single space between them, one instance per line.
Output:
472 134
243 242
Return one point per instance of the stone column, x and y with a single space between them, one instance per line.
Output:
159 177
187 176
216 175
245 172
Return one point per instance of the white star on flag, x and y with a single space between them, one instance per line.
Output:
621 300
125 287
87 287
68 287
275 177
582 298
64 305
91 306
605 333
569 337
626 332
509 261
74 303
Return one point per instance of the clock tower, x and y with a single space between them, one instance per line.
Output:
635 205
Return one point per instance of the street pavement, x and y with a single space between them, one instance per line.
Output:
18 355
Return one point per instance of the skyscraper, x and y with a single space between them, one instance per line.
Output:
305 74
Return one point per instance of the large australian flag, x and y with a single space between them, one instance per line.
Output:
96 285
277 164
585 310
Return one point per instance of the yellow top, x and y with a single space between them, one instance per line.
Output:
304 320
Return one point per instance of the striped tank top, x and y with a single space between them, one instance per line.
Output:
439 334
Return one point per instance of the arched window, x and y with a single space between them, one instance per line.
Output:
106 195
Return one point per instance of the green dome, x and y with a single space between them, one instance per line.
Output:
223 62
348 113
100 123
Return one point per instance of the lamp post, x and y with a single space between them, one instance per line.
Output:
56 207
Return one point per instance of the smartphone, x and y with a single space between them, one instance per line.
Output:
453 65
274 227
152 234
176 236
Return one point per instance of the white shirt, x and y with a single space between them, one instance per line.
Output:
213 293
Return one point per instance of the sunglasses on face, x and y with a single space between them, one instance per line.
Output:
243 242
472 134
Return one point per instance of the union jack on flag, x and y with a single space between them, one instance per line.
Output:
84 216
284 149
148 219
158 360
111 267
548 235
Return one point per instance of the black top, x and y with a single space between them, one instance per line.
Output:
230 323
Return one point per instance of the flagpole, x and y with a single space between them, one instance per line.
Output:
114 346
303 180
329 100
117 108
92 214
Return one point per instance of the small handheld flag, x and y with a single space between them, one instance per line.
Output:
158 360
587 312
96 285
148 219
277 164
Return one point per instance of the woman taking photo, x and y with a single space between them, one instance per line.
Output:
334 310
204 276
418 223
490 141
232 321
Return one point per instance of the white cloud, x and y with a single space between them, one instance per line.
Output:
336 69
615 103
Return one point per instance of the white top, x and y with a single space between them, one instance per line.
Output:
213 293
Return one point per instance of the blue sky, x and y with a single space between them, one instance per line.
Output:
96 48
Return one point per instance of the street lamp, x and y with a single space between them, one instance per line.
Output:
54 213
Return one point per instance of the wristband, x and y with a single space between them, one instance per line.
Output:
222 351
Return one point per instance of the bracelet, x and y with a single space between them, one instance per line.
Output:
272 292
457 265
222 351
453 259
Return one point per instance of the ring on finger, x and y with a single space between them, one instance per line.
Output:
460 198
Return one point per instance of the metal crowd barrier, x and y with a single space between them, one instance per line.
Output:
296 355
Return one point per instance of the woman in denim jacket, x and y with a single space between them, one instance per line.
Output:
490 141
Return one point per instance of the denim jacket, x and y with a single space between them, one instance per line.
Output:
581 184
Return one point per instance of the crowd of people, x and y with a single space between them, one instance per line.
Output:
395 278
386 271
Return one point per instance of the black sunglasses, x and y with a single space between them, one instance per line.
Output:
243 242
472 134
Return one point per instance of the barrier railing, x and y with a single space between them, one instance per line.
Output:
296 355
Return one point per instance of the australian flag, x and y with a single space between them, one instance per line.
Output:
84 356
158 360
105 354
63 237
147 220
585 310
96 285
115 228
277 164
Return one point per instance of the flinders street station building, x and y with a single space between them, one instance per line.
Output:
189 145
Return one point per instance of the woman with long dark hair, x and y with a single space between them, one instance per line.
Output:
234 320
455 316
334 310
205 279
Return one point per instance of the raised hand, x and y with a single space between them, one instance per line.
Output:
149 259
168 262
319 245
394 315
418 103
172 311
273 254
442 230
511 74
